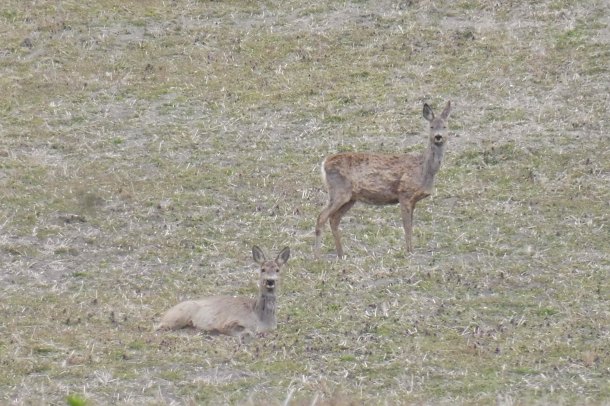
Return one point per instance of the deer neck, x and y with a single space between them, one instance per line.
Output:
265 308
432 163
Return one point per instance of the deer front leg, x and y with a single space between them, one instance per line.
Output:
406 210
246 336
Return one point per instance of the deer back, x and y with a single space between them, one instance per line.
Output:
226 315
218 314
370 177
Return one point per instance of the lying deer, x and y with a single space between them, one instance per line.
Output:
235 316
382 179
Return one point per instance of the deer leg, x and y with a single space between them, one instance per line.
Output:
406 209
246 336
339 193
333 206
322 218
334 221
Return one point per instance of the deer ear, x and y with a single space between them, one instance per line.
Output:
447 111
428 113
283 256
258 255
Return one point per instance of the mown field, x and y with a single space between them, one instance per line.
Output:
145 146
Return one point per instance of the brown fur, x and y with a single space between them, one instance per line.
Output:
382 179
236 316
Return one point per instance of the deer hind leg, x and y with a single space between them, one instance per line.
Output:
322 218
179 316
334 221
339 190
333 206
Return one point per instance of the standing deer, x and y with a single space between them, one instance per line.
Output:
235 316
382 179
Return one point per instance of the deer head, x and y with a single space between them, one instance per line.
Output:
270 269
438 125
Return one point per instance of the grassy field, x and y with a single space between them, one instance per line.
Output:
145 146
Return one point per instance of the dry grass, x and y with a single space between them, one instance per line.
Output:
146 146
